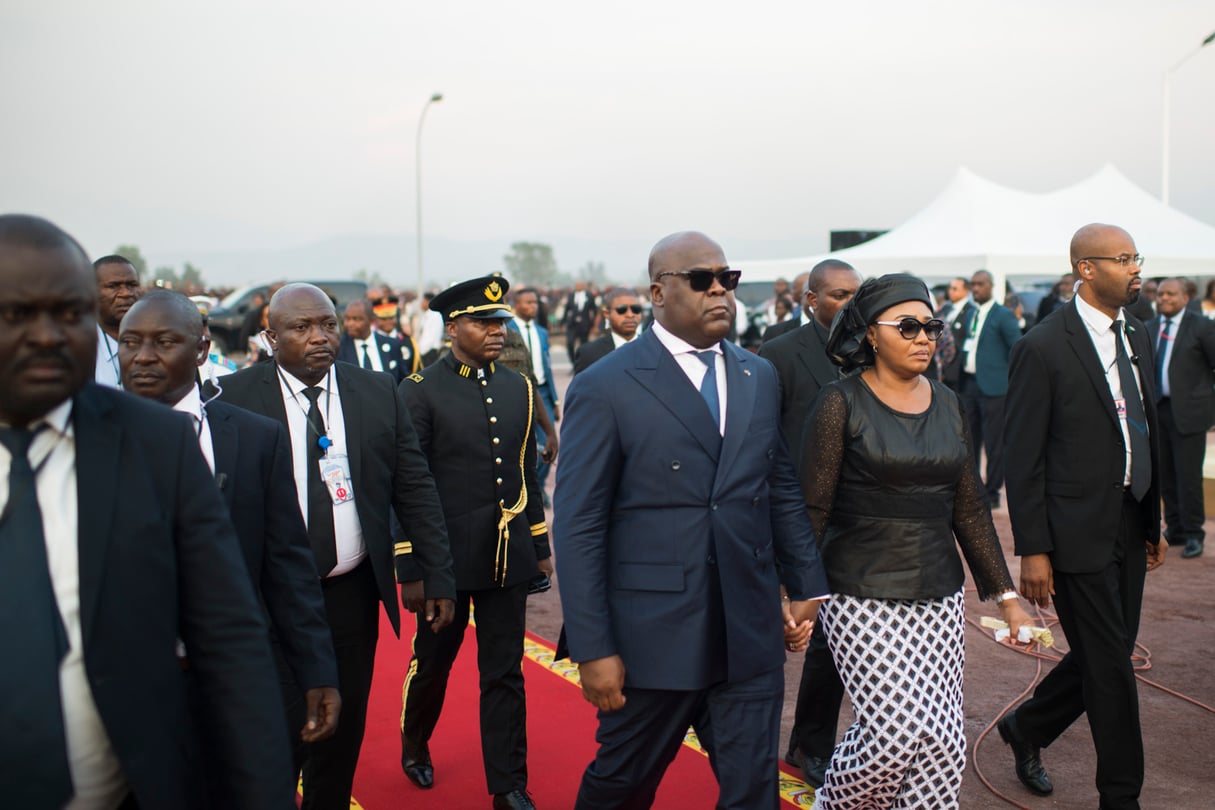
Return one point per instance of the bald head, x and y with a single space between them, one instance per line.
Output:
1093 239
36 233
171 309
293 296
670 252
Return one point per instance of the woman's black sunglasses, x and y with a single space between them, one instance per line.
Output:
702 280
910 327
633 308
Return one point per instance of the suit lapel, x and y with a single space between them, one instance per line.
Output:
1082 345
98 445
348 390
813 356
657 371
272 394
223 444
740 404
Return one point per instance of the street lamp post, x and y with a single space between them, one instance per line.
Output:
421 120
1164 153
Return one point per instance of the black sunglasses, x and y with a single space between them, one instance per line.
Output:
910 327
633 308
702 280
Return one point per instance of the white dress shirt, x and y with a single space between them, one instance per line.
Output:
1100 330
430 331
532 338
348 531
620 340
685 355
107 371
976 330
1165 355
191 403
373 352
96 773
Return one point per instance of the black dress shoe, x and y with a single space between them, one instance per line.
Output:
1193 548
813 769
417 765
515 800
1027 757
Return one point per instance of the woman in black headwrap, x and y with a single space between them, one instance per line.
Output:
890 482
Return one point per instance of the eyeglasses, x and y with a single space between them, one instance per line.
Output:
702 280
1122 260
633 308
910 327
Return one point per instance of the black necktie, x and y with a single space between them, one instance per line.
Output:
1136 419
366 357
33 749
1162 347
320 505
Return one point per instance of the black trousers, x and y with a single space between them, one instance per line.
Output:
1181 459
738 724
352 607
1099 613
819 696
576 336
985 418
501 620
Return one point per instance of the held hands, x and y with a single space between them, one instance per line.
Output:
603 682
1017 618
799 622
1037 579
324 704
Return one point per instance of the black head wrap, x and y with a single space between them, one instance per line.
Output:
846 344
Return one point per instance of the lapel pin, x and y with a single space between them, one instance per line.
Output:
747 371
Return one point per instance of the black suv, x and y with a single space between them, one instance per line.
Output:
226 318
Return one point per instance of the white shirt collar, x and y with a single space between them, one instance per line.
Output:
677 345
618 340
191 403
1097 320
297 386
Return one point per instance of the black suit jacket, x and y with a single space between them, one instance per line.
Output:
804 369
597 349
253 471
1191 380
159 560
579 320
1065 454
387 469
959 326
783 328
391 355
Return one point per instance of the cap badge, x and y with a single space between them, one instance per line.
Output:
493 292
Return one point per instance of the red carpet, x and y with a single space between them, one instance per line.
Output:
560 736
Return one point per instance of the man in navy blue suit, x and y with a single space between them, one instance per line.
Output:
526 305
989 334
160 347
363 347
677 520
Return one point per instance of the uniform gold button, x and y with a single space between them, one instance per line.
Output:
493 420
489 400
499 482
497 461
496 440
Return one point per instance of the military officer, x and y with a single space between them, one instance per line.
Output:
476 423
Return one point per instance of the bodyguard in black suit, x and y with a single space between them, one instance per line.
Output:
579 318
1185 387
623 311
114 544
1084 500
804 369
161 344
363 347
476 424
355 458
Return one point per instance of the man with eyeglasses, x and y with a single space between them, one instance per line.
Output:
1084 500
623 311
987 341
677 520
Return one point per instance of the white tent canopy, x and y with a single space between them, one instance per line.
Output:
975 223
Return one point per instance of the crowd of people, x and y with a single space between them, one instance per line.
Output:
194 559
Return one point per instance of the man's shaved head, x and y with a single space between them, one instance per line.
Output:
291 295
174 308
36 233
818 273
673 246
1090 240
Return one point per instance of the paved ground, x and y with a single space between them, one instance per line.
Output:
1176 638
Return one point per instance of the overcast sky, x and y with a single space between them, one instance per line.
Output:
269 125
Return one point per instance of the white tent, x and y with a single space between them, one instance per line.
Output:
975 223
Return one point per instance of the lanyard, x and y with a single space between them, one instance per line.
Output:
322 439
112 357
